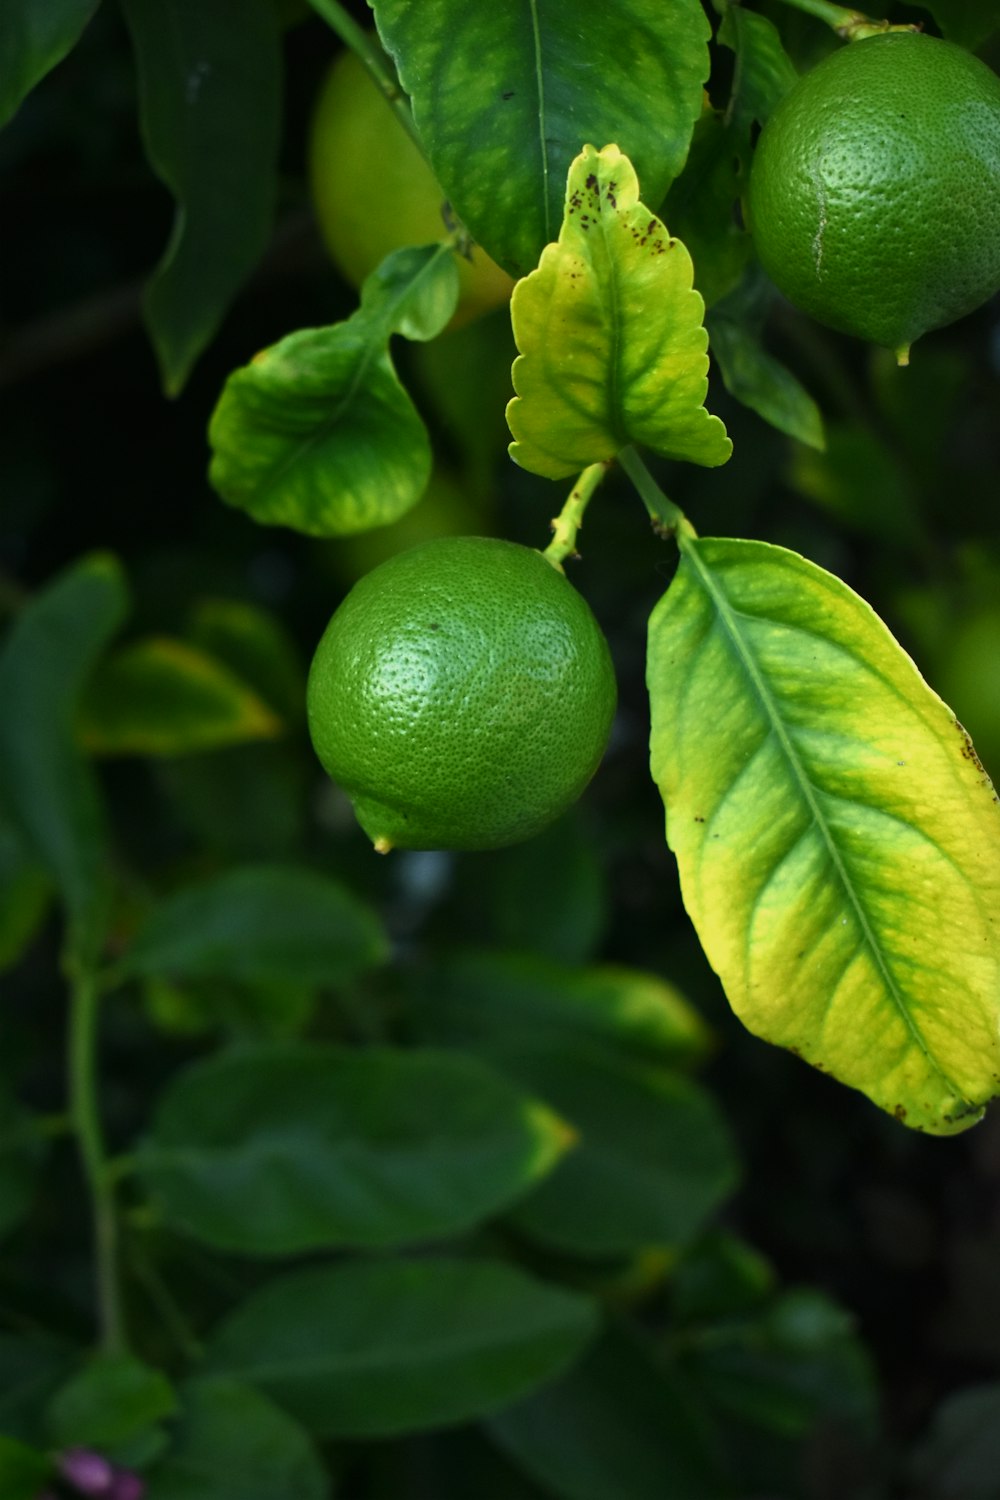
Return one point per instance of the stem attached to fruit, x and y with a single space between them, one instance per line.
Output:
668 519
570 519
852 25
85 1116
374 59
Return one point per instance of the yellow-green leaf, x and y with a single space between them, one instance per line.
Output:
161 696
613 349
837 837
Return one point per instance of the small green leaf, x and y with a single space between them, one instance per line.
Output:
210 100
107 1403
764 72
619 1424
757 379
653 1163
837 838
488 1002
49 653
33 38
259 922
613 350
316 432
276 1150
384 1347
23 1470
232 1443
160 696
500 139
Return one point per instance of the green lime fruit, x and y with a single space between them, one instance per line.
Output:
374 192
462 695
874 196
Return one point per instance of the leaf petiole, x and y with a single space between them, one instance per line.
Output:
567 524
370 53
852 25
668 519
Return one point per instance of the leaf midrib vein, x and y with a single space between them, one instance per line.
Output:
726 615
540 86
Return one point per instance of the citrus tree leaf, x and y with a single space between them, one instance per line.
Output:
210 112
612 346
761 382
317 432
22 1151
257 647
653 1161
50 652
619 1423
383 1347
267 923
23 1470
161 696
500 139
232 1443
25 892
277 1150
111 1400
763 73
837 838
33 38
967 22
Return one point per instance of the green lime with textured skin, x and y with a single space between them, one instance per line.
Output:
875 191
462 695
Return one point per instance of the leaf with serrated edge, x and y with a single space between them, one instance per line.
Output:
612 345
837 838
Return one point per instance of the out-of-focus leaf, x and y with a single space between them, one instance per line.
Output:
383 1347
488 1002
960 1455
25 891
275 1011
653 1162
720 1277
255 645
316 432
259 922
967 22
30 1370
763 383
33 38
613 349
22 1150
860 481
837 837
619 1424
283 1149
161 696
23 1470
244 803
49 653
500 139
107 1403
210 108
232 1443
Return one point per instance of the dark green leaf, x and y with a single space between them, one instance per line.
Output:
393 1346
25 890
30 1370
763 73
316 432
700 209
161 696
489 1002
33 38
257 647
759 381
967 22
23 1470
653 1163
107 1403
232 1443
22 1149
210 96
500 139
860 481
619 1426
244 803
720 1277
259 922
49 654
284 1149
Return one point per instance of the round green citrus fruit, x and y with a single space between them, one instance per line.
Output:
875 192
374 192
462 695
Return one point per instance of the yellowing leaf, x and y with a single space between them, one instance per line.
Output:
163 697
837 838
612 346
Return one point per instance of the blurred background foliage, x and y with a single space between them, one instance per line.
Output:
875 1253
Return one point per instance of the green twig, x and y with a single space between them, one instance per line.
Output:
570 519
668 519
374 59
85 1116
852 25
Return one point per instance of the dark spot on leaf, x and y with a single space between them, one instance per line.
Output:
899 1110
508 94
698 820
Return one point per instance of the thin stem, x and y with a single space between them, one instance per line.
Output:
85 1115
570 519
852 25
668 519
369 52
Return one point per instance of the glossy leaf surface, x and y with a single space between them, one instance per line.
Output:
501 138
33 38
316 432
259 922
612 346
837 838
210 103
384 1347
283 1149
